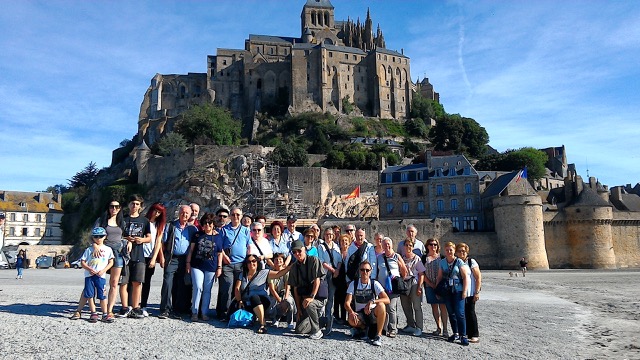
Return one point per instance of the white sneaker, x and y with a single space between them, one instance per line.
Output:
276 323
144 312
377 341
417 332
316 336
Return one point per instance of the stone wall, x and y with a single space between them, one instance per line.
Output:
626 242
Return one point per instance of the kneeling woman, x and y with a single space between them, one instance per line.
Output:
251 288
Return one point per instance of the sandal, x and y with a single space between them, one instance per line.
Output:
437 333
76 315
262 330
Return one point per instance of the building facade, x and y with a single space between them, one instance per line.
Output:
31 218
444 187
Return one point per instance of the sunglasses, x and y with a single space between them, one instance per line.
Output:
254 261
365 270
350 230
432 244
114 206
208 223
257 230
297 251
98 237
224 216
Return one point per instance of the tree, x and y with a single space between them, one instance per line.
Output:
86 177
512 160
447 134
57 189
474 138
425 109
209 122
170 143
416 128
289 154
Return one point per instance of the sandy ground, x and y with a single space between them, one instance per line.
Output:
558 314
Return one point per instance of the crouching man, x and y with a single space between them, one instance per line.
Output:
305 278
370 301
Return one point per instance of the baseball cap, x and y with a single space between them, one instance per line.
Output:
98 231
292 217
297 245
1 215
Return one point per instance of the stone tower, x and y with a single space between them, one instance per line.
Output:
142 157
317 15
519 225
589 221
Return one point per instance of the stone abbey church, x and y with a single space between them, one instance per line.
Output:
331 63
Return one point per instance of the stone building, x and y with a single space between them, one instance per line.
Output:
330 64
32 218
446 186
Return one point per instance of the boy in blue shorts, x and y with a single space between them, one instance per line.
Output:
94 276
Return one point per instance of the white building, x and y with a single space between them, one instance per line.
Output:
31 218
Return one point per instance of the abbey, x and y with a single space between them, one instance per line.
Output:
331 64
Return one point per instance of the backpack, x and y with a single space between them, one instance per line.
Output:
353 263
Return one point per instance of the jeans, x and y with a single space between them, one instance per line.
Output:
412 307
455 308
471 318
330 299
230 273
202 282
170 269
391 323
19 271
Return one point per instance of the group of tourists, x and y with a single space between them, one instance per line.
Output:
304 281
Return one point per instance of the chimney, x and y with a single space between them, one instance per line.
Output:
616 193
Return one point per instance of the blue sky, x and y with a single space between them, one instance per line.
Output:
533 73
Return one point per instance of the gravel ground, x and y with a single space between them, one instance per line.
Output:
557 314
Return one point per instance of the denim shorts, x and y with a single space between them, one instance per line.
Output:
94 285
118 262
431 296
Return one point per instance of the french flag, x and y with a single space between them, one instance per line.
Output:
522 174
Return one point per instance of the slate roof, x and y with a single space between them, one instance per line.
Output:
498 185
589 197
273 39
390 52
348 49
319 3
11 200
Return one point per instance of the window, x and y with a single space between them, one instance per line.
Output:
405 207
420 175
389 193
389 208
330 54
420 191
47 232
420 207
346 56
455 222
454 204
438 172
468 204
470 223
25 231
388 178
12 232
439 190
25 217
467 188
37 232
39 217
12 217
404 192
23 204
404 176
453 189
440 205
224 62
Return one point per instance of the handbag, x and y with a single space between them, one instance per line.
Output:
240 318
399 285
444 288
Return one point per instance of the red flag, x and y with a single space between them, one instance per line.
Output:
354 194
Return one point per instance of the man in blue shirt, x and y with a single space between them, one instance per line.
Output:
176 241
235 242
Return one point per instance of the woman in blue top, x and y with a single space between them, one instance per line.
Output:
204 264
20 263
456 273
251 291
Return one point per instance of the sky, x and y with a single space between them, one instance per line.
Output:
533 73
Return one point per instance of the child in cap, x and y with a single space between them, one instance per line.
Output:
94 275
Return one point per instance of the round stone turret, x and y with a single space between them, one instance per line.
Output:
519 225
589 231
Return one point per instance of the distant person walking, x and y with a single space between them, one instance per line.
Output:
20 262
523 266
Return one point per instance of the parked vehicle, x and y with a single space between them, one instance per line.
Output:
76 264
44 262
